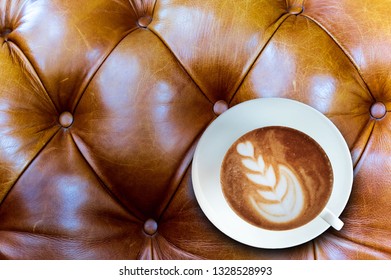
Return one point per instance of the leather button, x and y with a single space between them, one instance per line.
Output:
295 10
66 119
220 107
150 226
378 110
144 21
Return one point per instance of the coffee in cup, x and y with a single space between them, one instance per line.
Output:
276 178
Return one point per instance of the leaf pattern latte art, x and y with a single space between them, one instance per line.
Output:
277 199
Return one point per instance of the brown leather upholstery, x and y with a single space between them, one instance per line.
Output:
102 103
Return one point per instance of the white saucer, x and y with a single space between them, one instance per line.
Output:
239 120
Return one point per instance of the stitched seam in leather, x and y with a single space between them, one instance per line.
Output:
78 98
177 179
29 163
343 49
181 64
370 123
188 156
251 65
103 184
34 73
176 58
359 135
17 53
153 8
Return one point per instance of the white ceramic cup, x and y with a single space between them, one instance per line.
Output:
250 115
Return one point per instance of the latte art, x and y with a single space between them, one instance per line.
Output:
276 178
278 199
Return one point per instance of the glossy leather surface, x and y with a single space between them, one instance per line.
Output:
102 103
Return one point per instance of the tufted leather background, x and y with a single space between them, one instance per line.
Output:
102 103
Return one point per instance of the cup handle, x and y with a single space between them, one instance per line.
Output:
331 219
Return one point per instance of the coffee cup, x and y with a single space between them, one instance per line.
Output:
298 225
278 178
